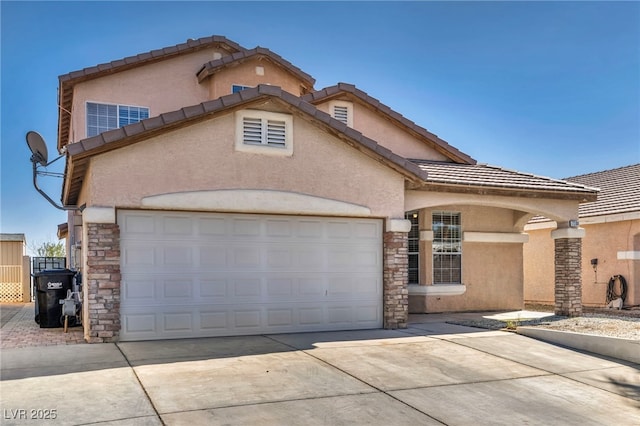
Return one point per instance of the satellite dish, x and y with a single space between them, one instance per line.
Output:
38 148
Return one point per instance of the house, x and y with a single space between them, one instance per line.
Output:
219 193
610 248
15 271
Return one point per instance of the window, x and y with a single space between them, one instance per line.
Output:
342 111
414 247
103 117
264 132
237 87
447 248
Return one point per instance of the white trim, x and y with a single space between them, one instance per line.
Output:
495 237
629 255
426 235
437 290
551 224
241 146
568 233
254 201
398 225
99 215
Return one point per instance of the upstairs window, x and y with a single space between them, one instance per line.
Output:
103 117
264 132
237 88
342 111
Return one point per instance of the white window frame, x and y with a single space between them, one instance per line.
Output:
261 144
117 116
451 246
342 104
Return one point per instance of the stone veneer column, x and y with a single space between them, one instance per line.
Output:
568 271
103 280
396 274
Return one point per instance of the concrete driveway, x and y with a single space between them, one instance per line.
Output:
432 373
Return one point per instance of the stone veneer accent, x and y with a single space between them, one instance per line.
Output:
395 278
568 273
103 281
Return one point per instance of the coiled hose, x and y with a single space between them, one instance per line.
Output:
611 289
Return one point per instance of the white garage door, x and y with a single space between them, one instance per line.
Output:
206 274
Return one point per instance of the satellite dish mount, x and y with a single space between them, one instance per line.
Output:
40 157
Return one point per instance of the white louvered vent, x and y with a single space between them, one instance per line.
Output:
276 133
252 131
341 113
264 132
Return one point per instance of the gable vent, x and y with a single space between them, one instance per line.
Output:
252 130
341 113
276 133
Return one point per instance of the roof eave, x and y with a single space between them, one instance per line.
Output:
578 195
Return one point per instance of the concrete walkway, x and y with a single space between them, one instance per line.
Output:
432 373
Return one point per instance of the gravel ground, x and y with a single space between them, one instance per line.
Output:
621 324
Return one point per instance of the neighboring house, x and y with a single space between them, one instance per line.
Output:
219 193
15 272
610 247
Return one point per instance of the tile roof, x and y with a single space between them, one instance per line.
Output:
259 52
619 191
477 176
79 152
67 81
344 88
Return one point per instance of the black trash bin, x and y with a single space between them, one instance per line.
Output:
51 287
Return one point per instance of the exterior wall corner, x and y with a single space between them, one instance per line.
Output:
102 283
395 280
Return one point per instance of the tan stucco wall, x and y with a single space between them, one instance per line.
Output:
246 74
162 87
602 241
491 272
388 134
202 157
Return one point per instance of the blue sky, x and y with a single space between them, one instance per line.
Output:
551 88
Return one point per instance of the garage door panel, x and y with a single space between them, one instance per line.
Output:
178 226
205 274
136 290
177 256
142 256
211 289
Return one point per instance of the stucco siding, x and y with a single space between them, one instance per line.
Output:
388 134
202 157
492 274
247 74
602 241
162 87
